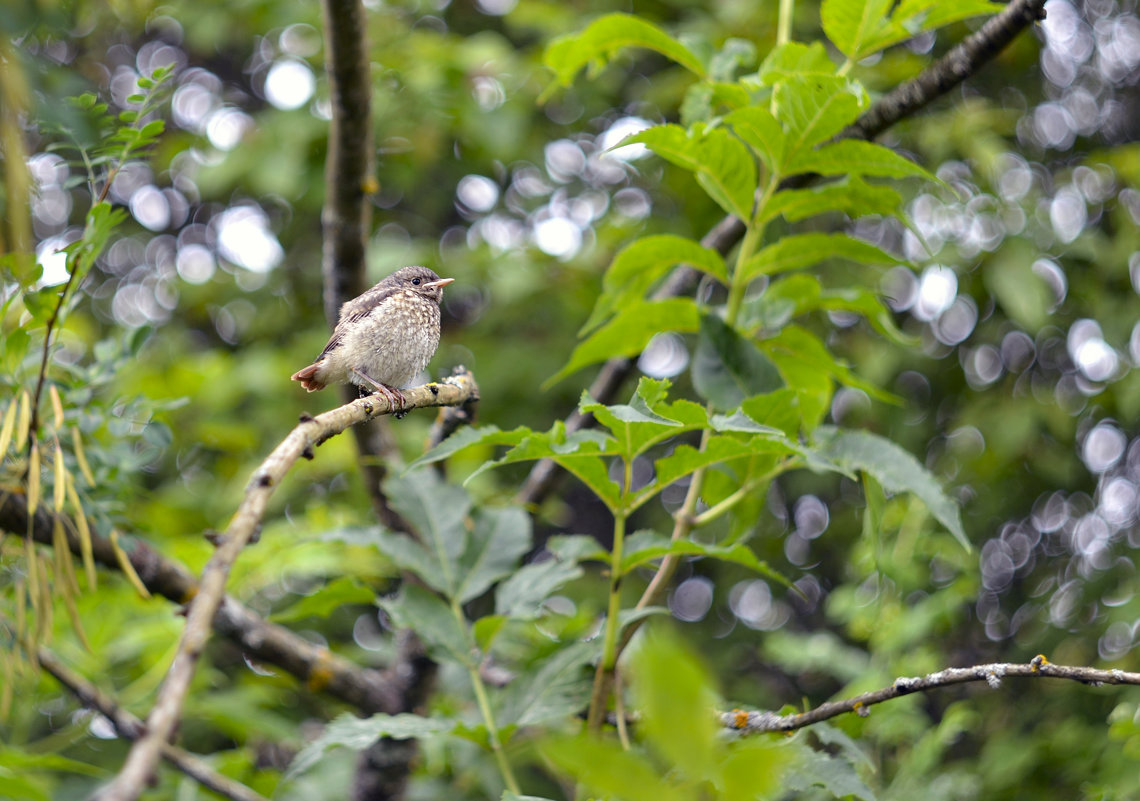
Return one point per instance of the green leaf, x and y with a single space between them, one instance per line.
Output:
356 734
866 303
438 512
522 595
607 770
851 196
645 546
760 131
894 468
816 108
778 410
727 368
639 265
810 768
1022 292
670 686
754 768
339 592
734 53
722 164
856 157
497 542
636 426
798 251
580 453
794 59
557 689
849 24
796 347
629 332
783 300
604 38
685 458
433 621
470 437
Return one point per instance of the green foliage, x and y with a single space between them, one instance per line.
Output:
807 555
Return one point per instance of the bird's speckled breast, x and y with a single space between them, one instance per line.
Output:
393 343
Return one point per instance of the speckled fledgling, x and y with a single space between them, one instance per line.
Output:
384 337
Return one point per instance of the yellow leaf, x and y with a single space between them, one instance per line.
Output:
84 536
81 457
24 420
8 427
56 406
59 490
127 567
33 480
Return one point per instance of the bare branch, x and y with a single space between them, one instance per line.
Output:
957 65
992 674
244 525
131 728
349 162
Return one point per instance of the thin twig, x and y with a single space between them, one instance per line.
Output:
959 63
992 674
244 525
131 728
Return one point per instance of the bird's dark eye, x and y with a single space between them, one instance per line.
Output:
416 281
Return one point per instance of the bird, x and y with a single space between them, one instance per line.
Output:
382 338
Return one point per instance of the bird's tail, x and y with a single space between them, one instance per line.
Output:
308 377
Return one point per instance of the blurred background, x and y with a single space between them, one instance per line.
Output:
1023 395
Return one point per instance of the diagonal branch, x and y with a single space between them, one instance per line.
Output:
130 727
245 524
1039 667
959 63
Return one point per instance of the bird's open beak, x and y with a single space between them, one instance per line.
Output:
441 283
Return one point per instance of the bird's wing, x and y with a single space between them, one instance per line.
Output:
353 311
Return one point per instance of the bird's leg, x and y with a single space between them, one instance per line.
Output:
394 396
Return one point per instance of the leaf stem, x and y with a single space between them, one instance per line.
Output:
488 714
784 23
603 676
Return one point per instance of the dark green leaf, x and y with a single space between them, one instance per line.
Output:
433 621
521 596
349 731
497 542
727 368
437 511
556 689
